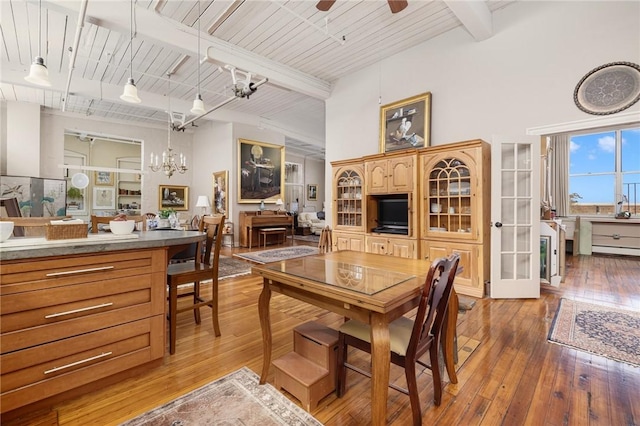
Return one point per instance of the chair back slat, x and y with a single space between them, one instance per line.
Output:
434 301
212 225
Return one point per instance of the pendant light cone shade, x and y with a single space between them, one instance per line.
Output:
130 93
198 106
38 73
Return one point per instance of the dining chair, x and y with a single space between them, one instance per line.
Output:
104 220
204 267
409 339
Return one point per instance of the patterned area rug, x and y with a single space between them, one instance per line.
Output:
274 255
311 238
601 330
236 399
230 267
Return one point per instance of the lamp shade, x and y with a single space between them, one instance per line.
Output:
198 106
279 202
38 73
203 201
130 93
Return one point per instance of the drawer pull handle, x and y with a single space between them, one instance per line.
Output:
73 364
79 271
75 311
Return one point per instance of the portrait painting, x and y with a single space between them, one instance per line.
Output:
220 198
261 172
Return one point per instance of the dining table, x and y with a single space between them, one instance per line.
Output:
372 288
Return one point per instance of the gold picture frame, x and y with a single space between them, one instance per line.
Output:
174 197
406 124
260 172
101 178
220 193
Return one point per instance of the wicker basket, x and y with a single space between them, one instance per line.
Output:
65 232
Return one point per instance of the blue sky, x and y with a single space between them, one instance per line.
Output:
595 153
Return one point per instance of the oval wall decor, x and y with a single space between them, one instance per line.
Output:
609 88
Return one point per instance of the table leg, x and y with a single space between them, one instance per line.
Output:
265 324
448 337
250 235
380 364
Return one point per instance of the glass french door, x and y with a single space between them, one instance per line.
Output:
515 217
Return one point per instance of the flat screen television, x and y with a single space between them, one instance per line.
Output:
393 214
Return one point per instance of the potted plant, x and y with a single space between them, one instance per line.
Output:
164 216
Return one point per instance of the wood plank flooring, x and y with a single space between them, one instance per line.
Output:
514 377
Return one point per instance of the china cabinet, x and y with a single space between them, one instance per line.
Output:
398 247
348 183
455 206
392 173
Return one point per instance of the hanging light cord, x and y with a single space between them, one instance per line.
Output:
198 53
130 41
40 28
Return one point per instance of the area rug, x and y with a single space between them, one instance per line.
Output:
230 267
274 255
235 399
601 330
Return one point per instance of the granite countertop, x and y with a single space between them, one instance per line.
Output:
31 248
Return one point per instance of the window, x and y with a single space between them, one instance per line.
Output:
293 186
604 172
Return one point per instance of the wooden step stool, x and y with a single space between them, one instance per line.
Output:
309 372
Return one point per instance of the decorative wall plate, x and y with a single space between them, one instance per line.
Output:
609 88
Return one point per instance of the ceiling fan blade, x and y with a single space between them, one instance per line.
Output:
325 5
397 5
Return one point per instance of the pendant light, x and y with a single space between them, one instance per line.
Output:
38 72
130 93
198 105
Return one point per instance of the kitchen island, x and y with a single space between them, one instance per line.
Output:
76 314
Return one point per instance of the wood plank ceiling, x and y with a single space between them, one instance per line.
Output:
300 49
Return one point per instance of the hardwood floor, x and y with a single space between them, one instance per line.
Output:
515 377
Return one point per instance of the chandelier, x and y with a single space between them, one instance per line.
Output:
169 165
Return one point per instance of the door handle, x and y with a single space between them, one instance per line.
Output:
498 225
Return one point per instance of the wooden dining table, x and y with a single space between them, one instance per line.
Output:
371 288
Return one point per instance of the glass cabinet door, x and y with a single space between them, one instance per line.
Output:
448 198
349 198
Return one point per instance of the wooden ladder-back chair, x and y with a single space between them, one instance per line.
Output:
104 220
204 267
325 245
409 339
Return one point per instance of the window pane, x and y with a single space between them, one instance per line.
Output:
593 153
591 194
631 150
630 193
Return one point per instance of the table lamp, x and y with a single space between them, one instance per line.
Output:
203 201
279 203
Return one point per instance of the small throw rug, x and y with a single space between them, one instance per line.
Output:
236 399
313 238
601 330
274 255
230 267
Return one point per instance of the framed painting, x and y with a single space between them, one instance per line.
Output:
312 192
173 197
220 200
104 198
260 172
103 178
406 124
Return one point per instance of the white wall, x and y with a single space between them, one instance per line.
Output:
522 77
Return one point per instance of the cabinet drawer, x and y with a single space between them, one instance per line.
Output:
18 277
40 372
43 316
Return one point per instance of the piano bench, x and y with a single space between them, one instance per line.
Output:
265 232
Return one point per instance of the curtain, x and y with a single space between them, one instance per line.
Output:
558 157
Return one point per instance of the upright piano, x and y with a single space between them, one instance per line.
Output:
252 221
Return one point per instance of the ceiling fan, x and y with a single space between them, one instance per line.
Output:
395 5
